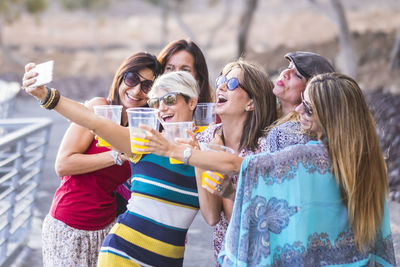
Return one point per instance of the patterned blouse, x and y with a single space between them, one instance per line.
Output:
288 212
279 137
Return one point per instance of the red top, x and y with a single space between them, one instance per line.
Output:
87 201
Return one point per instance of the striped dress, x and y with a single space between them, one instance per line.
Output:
163 205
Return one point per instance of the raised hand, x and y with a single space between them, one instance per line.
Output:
28 79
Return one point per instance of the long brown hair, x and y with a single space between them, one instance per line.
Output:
134 63
206 94
353 145
259 87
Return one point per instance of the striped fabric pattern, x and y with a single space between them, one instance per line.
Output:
163 205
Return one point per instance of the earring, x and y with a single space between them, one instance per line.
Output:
247 109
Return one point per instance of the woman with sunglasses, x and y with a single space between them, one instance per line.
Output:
180 55
164 199
315 204
84 207
246 106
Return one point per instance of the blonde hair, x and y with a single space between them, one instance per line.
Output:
258 85
340 107
177 81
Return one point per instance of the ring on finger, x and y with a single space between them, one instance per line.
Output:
218 188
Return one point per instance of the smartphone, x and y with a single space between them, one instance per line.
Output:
45 73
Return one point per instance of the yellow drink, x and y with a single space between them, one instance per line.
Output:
201 128
175 161
205 175
133 146
102 142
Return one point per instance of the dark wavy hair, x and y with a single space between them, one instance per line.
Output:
205 94
134 63
259 88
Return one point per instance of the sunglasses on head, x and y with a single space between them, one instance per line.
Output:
307 106
231 83
168 99
132 79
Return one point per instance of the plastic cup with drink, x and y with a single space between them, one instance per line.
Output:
216 148
111 112
137 116
174 130
204 115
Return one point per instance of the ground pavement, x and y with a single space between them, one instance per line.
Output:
199 249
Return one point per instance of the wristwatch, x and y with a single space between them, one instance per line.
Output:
186 155
117 159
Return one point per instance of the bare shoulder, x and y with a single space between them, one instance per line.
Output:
95 102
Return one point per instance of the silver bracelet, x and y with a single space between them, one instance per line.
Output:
186 155
117 159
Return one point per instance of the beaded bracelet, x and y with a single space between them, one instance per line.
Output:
47 96
54 103
52 100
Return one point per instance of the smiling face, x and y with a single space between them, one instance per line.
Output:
307 116
289 85
181 60
235 102
180 111
131 97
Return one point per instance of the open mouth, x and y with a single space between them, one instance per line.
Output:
167 117
221 99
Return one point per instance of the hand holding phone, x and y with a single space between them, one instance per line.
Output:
45 73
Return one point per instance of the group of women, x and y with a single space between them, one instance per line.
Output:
306 184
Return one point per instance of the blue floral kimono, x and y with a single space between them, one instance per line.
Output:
288 212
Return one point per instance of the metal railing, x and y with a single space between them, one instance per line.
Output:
23 146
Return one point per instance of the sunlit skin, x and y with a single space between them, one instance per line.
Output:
309 123
131 97
232 103
181 60
181 111
288 87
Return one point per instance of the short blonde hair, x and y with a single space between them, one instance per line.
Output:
177 81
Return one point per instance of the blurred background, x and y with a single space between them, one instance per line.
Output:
88 40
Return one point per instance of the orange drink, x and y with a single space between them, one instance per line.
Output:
111 112
137 116
216 148
204 115
205 175
174 130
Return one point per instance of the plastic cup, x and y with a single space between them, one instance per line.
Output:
137 116
174 130
111 112
204 115
217 148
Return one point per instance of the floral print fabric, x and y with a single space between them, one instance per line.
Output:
288 212
69 247
220 228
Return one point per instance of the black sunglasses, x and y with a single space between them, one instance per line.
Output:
132 79
307 106
168 99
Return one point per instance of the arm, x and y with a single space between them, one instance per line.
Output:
214 161
210 204
116 135
71 158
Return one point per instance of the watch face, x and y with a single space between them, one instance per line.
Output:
186 155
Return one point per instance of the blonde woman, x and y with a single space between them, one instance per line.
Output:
164 200
315 204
